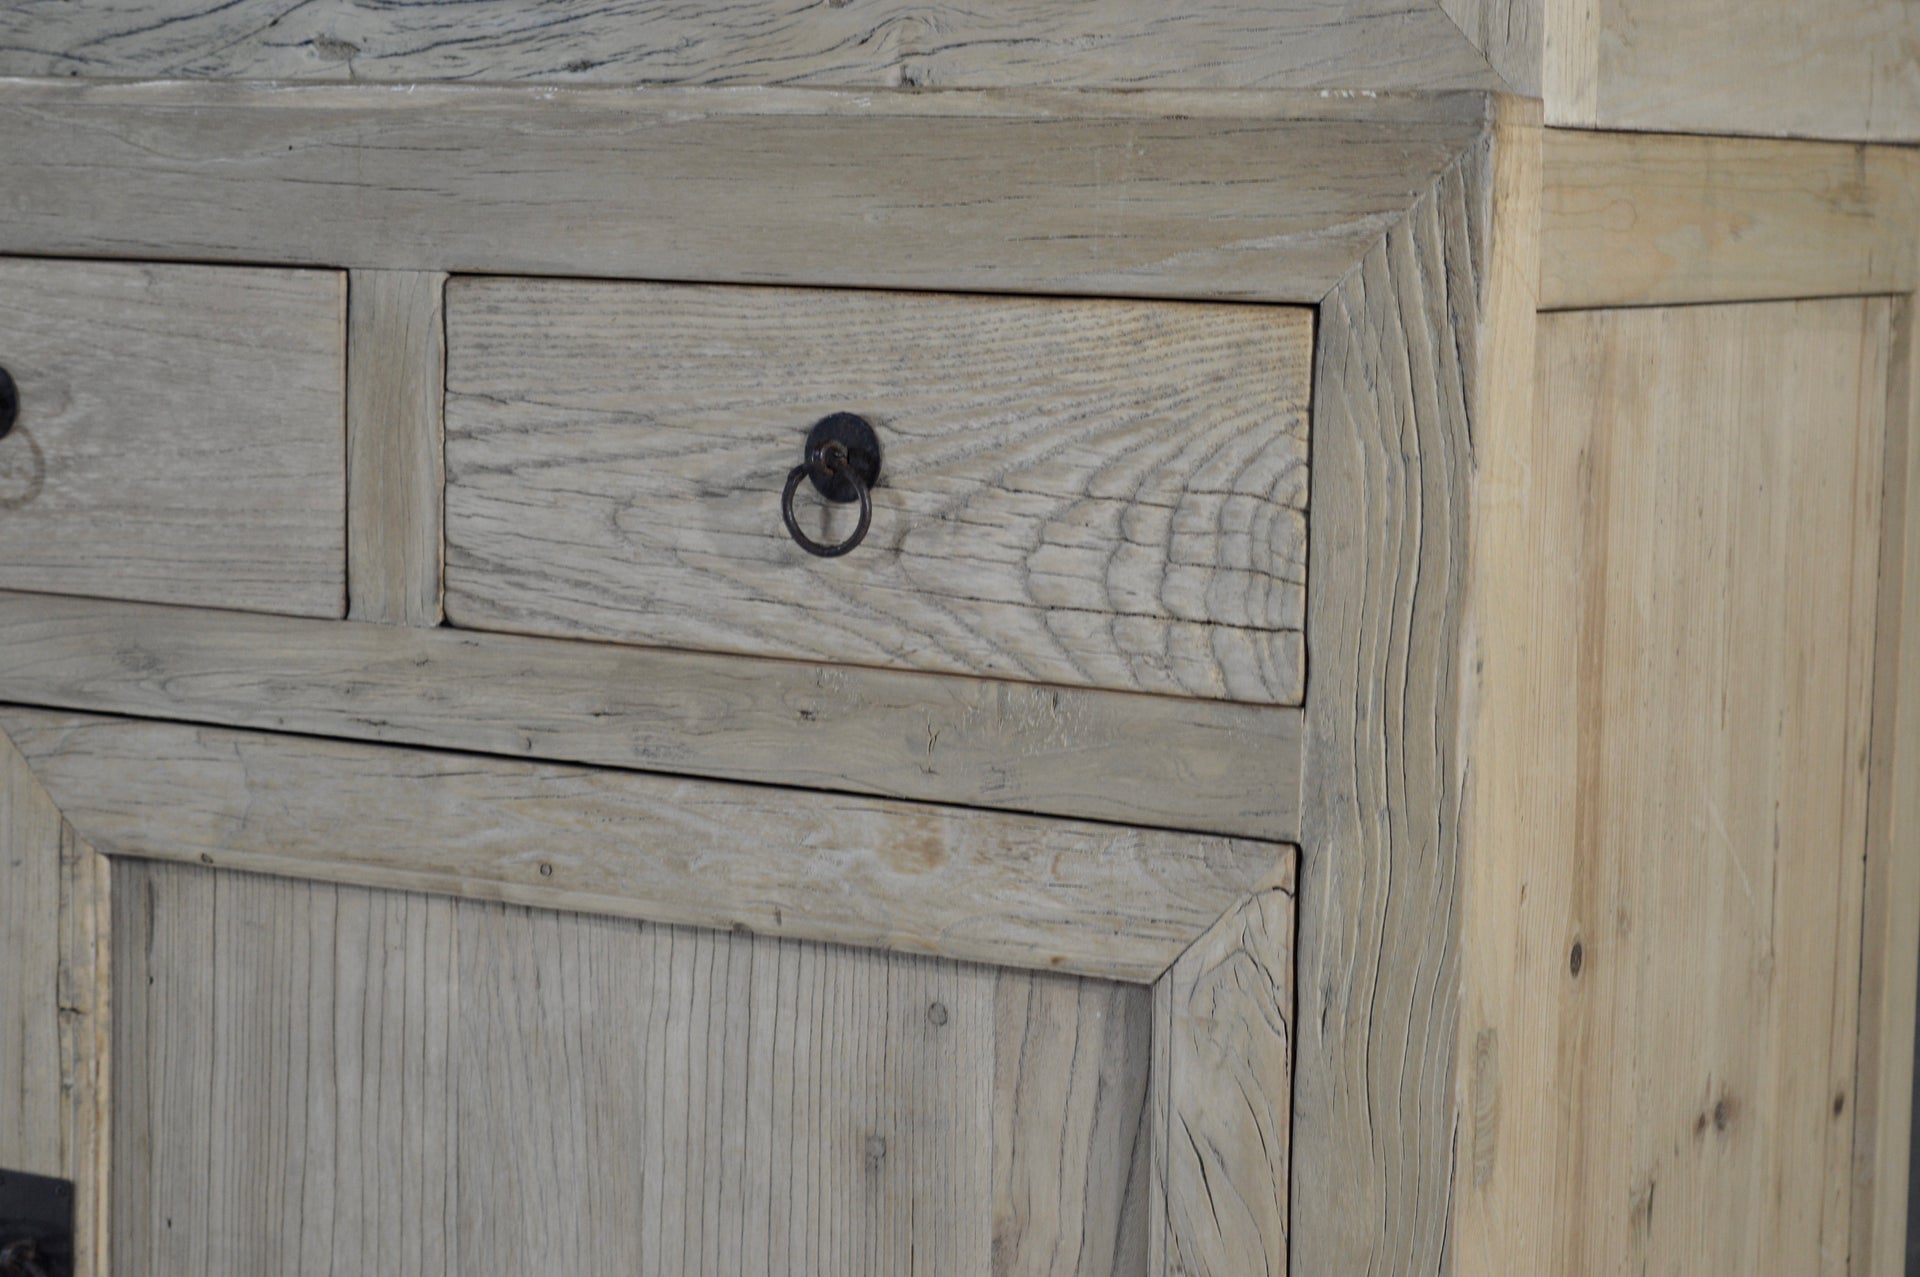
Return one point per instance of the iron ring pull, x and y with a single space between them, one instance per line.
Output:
20 1259
9 403
842 458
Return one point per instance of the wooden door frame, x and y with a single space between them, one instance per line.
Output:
1408 220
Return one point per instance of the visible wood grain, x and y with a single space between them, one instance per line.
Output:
1403 377
396 366
1141 760
54 1005
1084 493
978 885
1510 33
1729 461
1260 196
1844 69
1890 925
1070 1194
410 1084
1373 44
1222 1088
1516 674
30 1101
86 1047
1632 220
179 435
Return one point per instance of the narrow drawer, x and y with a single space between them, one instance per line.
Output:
1088 493
180 435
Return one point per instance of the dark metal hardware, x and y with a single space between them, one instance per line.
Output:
842 457
36 1226
9 403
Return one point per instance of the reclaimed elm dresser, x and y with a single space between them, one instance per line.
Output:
866 638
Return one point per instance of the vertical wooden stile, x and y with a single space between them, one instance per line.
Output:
396 369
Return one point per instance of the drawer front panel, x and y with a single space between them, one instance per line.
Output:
181 434
1087 493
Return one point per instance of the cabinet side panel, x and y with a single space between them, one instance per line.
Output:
1730 482
1891 922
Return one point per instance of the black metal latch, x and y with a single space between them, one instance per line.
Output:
36 1226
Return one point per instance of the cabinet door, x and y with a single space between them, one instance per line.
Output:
407 1011
1729 463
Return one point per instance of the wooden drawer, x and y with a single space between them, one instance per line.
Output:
180 437
1087 493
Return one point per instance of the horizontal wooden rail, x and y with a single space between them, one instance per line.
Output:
1125 757
982 886
1650 220
1268 196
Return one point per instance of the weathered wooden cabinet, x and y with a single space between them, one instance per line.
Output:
1373 728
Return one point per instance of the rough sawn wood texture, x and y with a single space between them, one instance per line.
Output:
179 437
1363 44
980 885
323 1079
1079 493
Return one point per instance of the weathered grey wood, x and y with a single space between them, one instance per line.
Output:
1263 196
1222 1092
179 435
396 365
54 1005
322 1079
1143 760
1511 33
30 1103
1374 44
1069 1193
1401 378
987 886
1084 493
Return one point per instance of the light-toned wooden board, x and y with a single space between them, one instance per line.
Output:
1142 760
1890 925
1510 33
86 1047
1844 69
1225 44
396 366
1259 196
1069 1192
321 1079
1401 378
179 437
1221 1096
986 886
1639 220
1080 493
1727 462
1513 728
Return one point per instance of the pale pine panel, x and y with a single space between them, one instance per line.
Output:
1791 68
1731 477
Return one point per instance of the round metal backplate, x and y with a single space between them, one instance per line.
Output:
9 403
863 455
